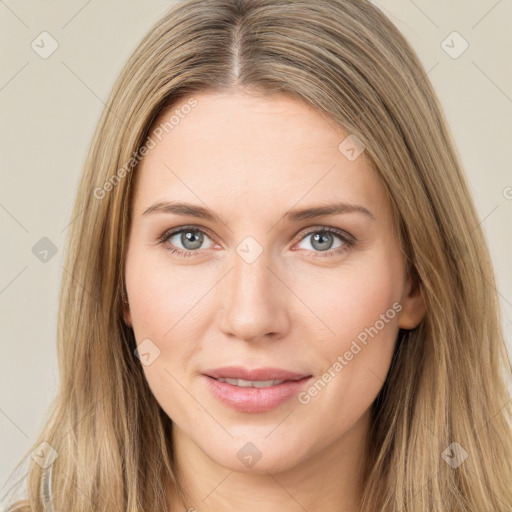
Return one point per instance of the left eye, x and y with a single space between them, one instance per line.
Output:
322 240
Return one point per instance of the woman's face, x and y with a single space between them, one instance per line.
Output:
234 184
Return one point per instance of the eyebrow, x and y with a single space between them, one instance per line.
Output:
296 215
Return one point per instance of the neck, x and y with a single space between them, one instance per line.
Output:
329 481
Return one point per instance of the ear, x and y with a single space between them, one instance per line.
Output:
413 305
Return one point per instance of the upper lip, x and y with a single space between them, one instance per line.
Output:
238 372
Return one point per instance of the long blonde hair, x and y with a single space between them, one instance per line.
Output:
446 383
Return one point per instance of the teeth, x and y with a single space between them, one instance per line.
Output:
251 383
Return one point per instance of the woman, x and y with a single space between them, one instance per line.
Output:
276 282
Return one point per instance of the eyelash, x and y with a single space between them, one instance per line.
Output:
348 241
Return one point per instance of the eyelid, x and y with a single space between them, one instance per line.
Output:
329 229
179 229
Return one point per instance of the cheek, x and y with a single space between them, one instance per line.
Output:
348 300
166 307
361 305
163 300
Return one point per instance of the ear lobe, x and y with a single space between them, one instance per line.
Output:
127 316
413 305
126 311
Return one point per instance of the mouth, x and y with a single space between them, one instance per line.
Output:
254 391
241 383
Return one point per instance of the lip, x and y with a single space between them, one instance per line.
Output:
254 400
239 372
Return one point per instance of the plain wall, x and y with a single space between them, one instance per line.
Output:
50 106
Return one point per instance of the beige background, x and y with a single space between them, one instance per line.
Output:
49 108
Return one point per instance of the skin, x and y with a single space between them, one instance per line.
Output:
250 158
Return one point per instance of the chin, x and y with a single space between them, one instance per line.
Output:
256 455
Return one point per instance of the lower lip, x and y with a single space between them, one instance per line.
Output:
255 399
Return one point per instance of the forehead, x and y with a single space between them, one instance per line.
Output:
252 152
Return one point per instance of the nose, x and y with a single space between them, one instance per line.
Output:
254 301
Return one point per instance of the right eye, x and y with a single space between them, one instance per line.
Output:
190 239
